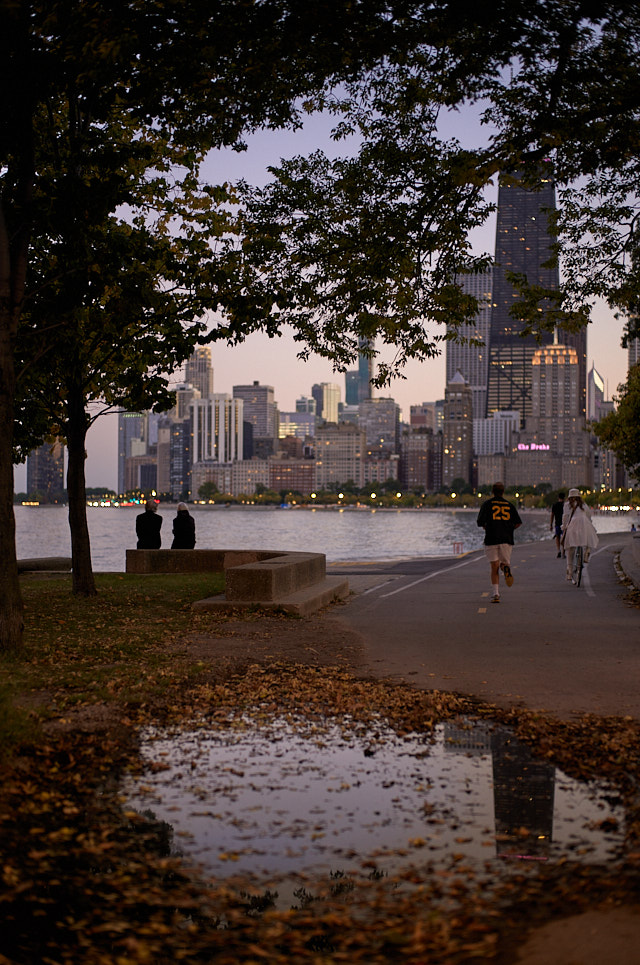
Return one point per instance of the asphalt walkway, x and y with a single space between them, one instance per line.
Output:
548 645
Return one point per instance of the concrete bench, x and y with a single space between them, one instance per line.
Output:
273 579
191 561
51 564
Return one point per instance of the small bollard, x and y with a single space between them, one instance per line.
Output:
457 549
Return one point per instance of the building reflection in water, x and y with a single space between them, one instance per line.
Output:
523 789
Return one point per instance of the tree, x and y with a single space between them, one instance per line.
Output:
111 305
377 244
620 430
208 490
194 73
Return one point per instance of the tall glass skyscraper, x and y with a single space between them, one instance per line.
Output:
523 245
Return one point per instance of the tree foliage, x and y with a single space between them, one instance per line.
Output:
620 430
378 243
97 99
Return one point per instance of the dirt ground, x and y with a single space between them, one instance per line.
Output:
597 936
321 640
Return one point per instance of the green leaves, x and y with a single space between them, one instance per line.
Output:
619 431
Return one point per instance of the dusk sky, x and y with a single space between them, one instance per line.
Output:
274 362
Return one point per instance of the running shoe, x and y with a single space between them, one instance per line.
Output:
508 575
495 598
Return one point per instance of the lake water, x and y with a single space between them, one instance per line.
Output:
341 534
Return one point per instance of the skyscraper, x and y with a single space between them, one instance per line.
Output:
457 451
380 420
217 429
327 396
198 371
45 471
523 246
259 408
472 361
358 381
132 440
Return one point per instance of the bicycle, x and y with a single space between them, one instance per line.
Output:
578 563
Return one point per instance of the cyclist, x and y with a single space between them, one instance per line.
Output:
577 529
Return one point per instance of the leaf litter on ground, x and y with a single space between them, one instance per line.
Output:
100 882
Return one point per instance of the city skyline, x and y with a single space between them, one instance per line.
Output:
274 362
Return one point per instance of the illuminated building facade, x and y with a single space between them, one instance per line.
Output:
457 443
198 371
340 453
523 246
217 429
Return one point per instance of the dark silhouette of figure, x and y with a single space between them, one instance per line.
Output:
557 511
148 526
184 529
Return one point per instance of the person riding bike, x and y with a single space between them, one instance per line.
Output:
577 529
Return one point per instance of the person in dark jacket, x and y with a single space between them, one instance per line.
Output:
499 518
148 526
184 529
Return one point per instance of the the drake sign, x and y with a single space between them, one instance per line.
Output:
529 446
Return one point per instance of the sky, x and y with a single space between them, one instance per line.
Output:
274 361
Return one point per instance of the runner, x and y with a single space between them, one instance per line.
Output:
499 518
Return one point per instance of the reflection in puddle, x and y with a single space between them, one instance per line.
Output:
277 799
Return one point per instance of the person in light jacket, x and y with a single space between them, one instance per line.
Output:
577 529
184 529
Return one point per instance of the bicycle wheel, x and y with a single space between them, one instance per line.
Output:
577 565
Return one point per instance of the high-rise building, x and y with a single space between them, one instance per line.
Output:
491 436
45 471
427 414
132 441
380 420
555 446
633 352
259 408
472 360
198 371
340 452
185 395
306 404
457 443
298 424
419 451
597 404
327 396
523 246
217 430
358 381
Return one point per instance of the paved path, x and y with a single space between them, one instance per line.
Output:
548 645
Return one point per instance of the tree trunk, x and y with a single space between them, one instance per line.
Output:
11 618
83 581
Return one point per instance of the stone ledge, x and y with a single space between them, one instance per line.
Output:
192 561
300 603
51 564
262 578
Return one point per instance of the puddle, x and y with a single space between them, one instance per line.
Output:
270 800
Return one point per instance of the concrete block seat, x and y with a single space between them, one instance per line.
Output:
47 564
274 579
